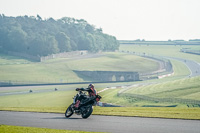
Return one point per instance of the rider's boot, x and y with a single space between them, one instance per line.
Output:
77 104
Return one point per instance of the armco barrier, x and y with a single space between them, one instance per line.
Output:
167 75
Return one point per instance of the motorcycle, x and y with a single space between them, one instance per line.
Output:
85 108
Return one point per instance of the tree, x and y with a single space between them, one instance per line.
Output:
63 42
91 43
73 45
43 46
35 47
17 39
89 28
39 18
34 36
100 42
51 45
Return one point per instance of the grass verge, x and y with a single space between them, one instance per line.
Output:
20 129
151 112
155 112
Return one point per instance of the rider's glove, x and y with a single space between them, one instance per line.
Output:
79 89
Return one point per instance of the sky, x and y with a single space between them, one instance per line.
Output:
158 20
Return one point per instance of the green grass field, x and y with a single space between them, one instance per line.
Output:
154 112
176 90
164 50
16 70
20 129
173 90
58 101
180 93
57 70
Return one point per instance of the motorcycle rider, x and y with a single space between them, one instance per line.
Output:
91 91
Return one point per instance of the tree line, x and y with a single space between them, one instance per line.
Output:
35 36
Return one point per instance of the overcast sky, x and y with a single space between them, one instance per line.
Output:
125 19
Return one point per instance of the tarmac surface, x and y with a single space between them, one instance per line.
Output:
112 124
193 66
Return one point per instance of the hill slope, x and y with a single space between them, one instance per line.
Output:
61 70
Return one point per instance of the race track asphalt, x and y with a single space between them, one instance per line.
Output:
193 66
112 124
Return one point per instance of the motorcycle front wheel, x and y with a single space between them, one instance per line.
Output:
69 112
86 112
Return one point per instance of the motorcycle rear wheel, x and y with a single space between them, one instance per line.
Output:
87 112
69 112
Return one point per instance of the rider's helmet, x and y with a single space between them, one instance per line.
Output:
94 92
91 86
